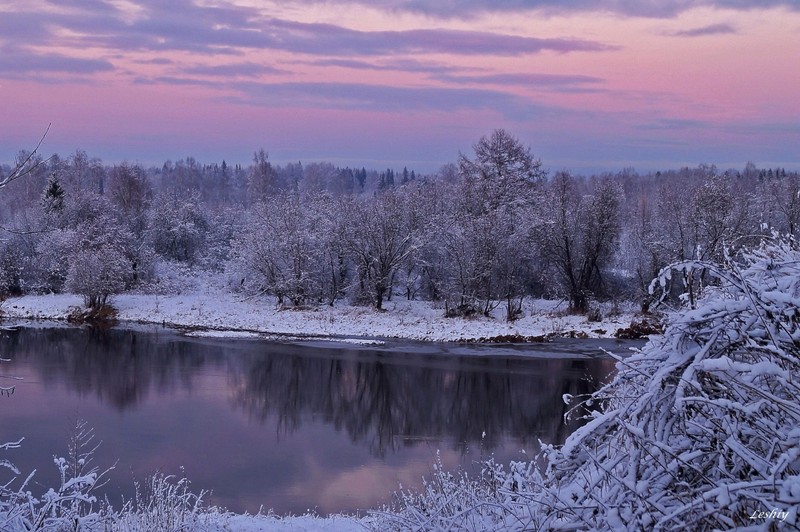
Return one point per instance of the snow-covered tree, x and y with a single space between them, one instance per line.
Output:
329 238
53 196
380 238
131 193
81 173
177 227
580 234
718 217
781 195
97 270
279 252
500 173
86 248
486 237
262 180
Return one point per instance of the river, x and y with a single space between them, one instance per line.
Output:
290 426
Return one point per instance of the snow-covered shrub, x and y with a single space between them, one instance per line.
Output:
698 430
70 506
173 278
457 501
97 274
165 503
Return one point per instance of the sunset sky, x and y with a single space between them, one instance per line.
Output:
390 83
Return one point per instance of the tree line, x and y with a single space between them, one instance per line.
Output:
483 232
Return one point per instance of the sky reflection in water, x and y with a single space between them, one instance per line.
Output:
282 426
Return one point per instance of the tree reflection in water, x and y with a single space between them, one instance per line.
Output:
120 367
351 422
395 399
383 399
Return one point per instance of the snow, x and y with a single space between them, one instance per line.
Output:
249 523
223 314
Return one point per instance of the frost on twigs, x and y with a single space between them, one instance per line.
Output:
165 502
698 430
71 505
701 428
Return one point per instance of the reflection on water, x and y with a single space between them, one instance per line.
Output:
289 427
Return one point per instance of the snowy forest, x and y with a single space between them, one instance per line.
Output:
482 233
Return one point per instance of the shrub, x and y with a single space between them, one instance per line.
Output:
97 274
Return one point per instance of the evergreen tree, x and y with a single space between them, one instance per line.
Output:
53 197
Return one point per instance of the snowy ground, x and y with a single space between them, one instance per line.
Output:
248 523
220 313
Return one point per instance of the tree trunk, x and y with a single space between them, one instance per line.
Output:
379 291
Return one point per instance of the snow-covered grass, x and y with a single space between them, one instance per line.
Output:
165 503
220 312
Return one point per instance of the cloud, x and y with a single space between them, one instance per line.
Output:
565 83
155 61
397 65
713 29
329 39
459 75
382 98
367 97
22 27
636 8
246 69
175 80
15 62
156 26
184 25
673 124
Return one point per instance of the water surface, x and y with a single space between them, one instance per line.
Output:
287 426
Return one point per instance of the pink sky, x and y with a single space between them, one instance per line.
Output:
404 82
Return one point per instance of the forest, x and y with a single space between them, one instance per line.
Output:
481 233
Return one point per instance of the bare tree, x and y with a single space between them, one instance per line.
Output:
131 192
27 164
580 234
380 239
286 250
490 251
262 180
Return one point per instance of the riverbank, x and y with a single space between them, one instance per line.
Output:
225 314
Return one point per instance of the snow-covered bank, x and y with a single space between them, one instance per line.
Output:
230 314
222 522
